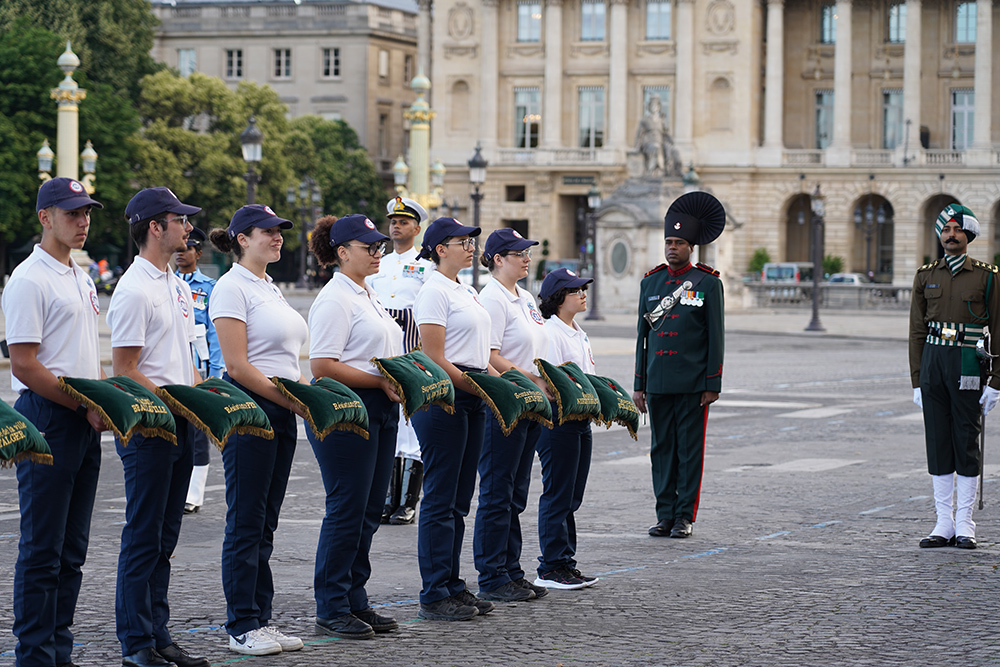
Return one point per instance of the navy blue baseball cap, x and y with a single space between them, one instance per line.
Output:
441 229
151 202
355 227
505 239
196 238
66 193
255 215
559 279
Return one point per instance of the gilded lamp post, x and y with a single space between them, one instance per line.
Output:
426 182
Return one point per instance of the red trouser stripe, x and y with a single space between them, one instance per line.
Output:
697 498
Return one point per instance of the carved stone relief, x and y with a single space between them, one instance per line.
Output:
720 17
460 21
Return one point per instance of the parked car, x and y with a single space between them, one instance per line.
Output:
787 272
849 279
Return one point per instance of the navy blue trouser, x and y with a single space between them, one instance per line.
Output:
256 477
56 504
356 475
677 453
449 446
157 475
564 452
504 478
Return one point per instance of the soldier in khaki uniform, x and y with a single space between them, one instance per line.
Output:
956 301
679 351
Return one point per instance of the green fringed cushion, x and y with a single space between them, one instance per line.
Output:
328 405
498 393
418 381
218 409
20 440
536 406
575 396
125 406
616 405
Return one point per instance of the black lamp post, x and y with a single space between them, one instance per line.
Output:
593 203
477 176
818 205
308 199
251 141
870 219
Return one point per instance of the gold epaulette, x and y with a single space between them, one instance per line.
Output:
929 266
984 266
655 269
707 269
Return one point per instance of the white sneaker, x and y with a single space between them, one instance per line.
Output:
254 642
287 643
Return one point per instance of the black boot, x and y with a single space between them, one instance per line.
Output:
395 488
408 510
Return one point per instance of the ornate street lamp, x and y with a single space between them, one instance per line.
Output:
593 203
309 199
252 142
89 159
477 176
45 157
818 205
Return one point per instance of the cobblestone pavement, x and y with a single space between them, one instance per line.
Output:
804 552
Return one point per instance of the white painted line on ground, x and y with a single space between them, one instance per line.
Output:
783 405
914 417
876 509
813 465
816 413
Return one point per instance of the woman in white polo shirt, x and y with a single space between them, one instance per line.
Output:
563 451
517 338
455 334
261 337
348 327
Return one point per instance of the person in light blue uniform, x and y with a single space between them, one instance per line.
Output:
207 354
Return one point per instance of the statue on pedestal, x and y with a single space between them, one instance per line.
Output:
653 141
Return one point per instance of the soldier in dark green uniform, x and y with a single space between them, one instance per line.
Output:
678 369
956 301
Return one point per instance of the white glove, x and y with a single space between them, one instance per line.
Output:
989 399
917 398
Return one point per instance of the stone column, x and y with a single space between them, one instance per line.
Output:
774 82
839 152
552 94
684 95
424 36
911 81
617 76
488 76
982 140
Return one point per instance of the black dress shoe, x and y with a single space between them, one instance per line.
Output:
347 626
935 541
182 658
963 542
379 622
146 657
682 528
662 529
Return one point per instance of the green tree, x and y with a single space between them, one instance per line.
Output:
832 264
758 260
113 38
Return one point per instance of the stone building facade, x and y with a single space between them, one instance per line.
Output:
345 60
887 105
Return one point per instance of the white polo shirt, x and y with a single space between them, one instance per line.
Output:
517 328
55 305
347 323
275 331
456 307
400 276
569 344
153 309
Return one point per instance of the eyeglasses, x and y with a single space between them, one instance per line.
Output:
379 247
523 254
183 219
582 292
467 244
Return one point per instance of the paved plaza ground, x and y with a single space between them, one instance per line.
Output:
804 552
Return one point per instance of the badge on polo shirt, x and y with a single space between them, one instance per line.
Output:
535 315
181 301
95 304
692 298
414 271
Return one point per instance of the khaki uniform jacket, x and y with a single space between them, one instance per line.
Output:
940 297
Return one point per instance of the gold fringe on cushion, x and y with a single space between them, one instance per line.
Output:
34 457
178 408
396 387
481 393
555 392
320 435
534 416
123 438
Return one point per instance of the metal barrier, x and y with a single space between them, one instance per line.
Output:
852 297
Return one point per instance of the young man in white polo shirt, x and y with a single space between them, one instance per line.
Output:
51 312
152 327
